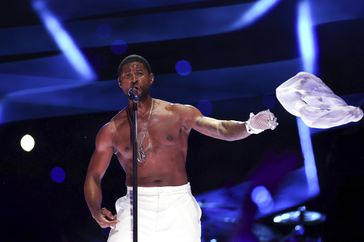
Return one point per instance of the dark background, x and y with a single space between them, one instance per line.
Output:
235 70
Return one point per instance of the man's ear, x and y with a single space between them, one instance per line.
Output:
119 81
151 78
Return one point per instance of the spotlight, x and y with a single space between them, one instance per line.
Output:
258 9
183 68
27 143
306 37
63 40
262 198
308 49
57 174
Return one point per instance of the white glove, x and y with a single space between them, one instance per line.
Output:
261 121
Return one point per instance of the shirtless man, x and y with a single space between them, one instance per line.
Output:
166 208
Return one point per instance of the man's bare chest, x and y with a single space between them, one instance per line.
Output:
161 132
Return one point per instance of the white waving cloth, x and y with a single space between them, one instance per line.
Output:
306 96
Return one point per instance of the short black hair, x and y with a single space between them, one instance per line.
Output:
132 58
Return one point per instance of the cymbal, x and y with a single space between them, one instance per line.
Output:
300 216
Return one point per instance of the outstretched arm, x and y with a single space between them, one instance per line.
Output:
98 165
231 130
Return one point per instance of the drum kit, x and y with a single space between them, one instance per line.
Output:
299 219
220 221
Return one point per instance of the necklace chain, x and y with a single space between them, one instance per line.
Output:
142 152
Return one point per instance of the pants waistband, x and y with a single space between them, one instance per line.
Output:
186 188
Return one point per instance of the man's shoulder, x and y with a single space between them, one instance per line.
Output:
174 106
120 116
118 119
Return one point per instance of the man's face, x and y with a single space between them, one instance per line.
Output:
135 75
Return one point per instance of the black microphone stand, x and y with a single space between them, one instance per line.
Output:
135 169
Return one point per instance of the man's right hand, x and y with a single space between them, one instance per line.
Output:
105 218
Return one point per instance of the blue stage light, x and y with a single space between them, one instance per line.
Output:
64 41
262 198
306 37
309 158
255 12
58 174
183 67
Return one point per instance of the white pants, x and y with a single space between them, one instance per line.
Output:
165 214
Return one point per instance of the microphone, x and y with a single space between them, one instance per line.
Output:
133 95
